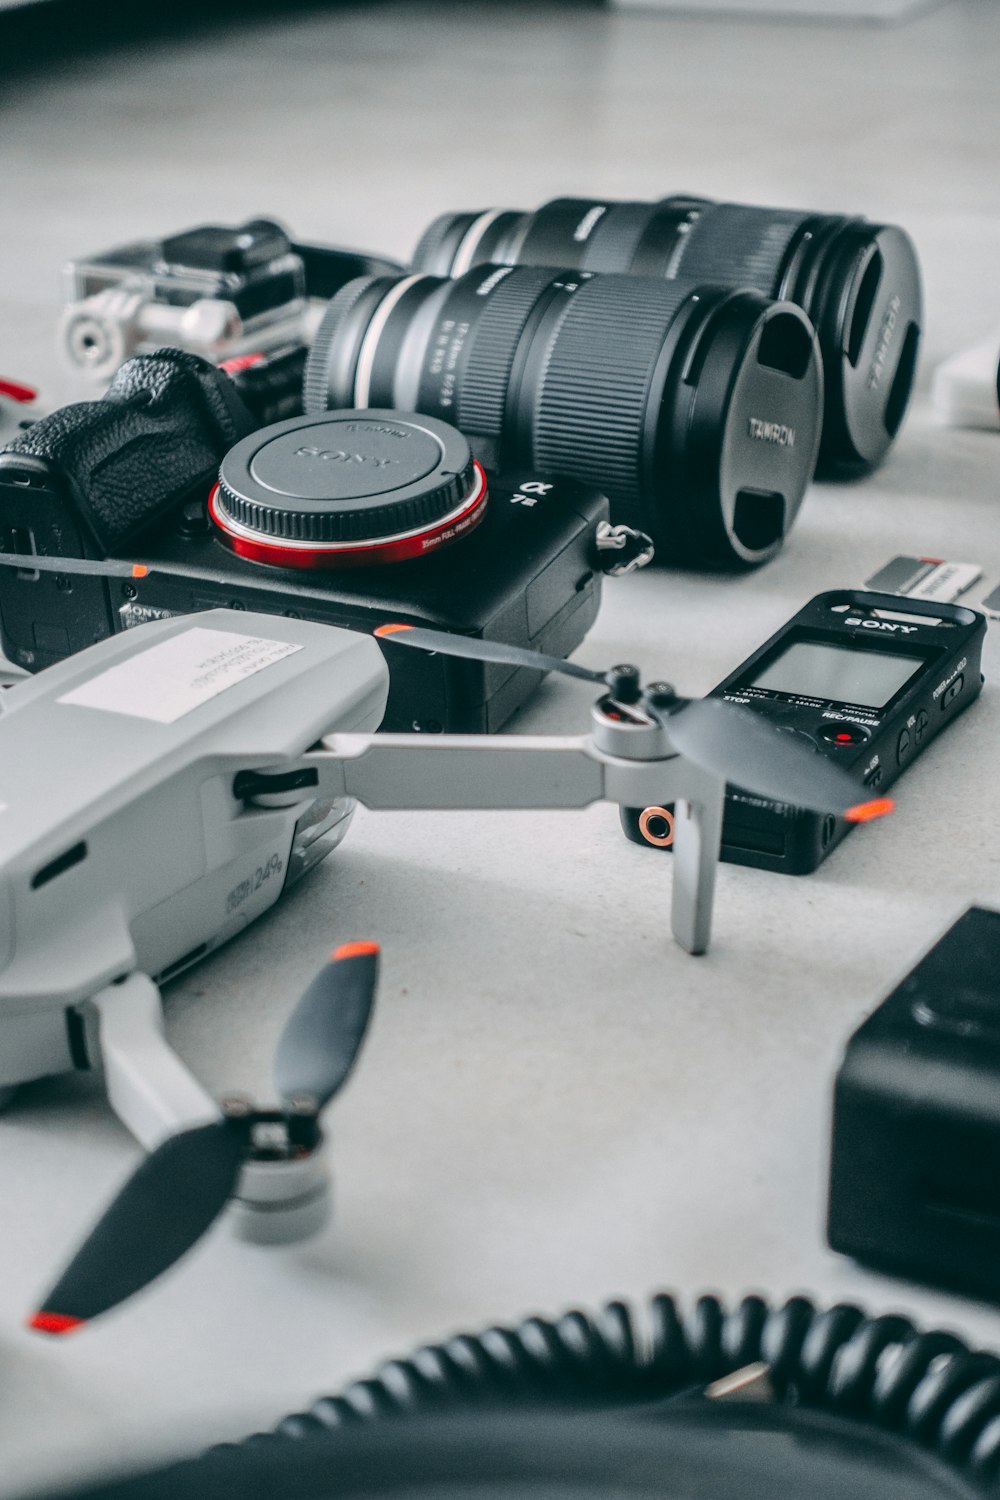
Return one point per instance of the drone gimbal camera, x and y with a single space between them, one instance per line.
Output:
237 744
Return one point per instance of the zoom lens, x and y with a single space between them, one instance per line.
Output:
859 283
696 409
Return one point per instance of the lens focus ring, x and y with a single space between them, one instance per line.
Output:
592 406
738 246
483 394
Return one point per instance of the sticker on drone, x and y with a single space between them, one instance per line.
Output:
176 676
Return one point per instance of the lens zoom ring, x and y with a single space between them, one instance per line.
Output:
348 526
591 408
739 246
615 239
482 395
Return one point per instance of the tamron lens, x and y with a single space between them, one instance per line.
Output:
695 408
859 282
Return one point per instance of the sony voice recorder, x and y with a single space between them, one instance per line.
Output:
868 680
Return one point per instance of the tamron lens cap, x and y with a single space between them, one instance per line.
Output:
347 488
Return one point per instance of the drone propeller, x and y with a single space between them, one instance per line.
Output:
181 1188
478 650
33 562
323 1036
735 744
751 753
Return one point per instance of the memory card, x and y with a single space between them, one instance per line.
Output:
925 578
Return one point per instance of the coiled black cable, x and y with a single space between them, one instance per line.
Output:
928 1387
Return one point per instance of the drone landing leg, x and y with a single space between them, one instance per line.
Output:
149 1088
697 837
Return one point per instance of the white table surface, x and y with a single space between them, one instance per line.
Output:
555 1104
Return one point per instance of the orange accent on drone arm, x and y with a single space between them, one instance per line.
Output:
51 1322
866 811
354 950
139 570
391 629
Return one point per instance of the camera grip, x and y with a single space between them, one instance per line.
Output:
161 430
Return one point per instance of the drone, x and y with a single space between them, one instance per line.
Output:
236 745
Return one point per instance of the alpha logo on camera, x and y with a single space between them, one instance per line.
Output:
771 432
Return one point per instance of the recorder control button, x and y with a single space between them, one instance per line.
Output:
837 732
952 692
903 746
800 734
921 729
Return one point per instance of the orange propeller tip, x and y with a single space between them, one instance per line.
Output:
392 629
354 950
139 570
865 812
51 1322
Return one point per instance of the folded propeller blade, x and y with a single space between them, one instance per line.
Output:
478 650
323 1035
33 562
751 753
165 1207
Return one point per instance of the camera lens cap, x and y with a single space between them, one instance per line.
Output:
347 487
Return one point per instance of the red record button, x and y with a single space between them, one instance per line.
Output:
836 732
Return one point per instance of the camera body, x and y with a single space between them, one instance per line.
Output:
216 290
223 291
528 574
134 471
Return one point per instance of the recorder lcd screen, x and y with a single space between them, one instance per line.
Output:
835 673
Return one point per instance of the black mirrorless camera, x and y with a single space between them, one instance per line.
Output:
352 518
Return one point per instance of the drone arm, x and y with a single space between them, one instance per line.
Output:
455 771
520 771
148 1086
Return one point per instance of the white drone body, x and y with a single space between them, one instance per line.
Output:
159 791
